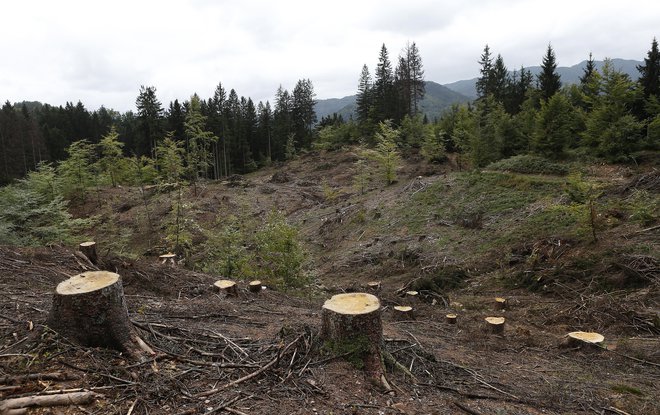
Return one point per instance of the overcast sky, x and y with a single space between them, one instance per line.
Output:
101 52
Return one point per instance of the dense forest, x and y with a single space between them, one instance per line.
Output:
607 115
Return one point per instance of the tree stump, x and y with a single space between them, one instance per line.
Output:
500 303
254 286
582 338
374 286
496 324
412 296
451 318
403 312
89 249
89 308
353 321
168 259
226 286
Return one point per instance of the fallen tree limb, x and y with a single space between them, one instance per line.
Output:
251 375
75 398
34 376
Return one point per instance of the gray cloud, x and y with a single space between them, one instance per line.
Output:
101 53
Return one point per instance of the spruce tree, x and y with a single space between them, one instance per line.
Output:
384 87
549 80
498 79
588 71
363 101
484 83
150 115
418 85
650 72
553 127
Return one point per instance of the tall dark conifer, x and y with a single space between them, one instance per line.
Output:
484 82
588 71
498 79
150 114
363 100
549 80
649 72
384 87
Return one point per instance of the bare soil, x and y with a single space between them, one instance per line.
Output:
261 353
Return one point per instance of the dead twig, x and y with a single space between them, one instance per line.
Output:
253 374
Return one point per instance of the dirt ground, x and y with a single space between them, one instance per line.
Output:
261 353
205 341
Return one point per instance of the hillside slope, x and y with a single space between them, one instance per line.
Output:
458 238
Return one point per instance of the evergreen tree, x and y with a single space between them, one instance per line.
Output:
418 85
363 100
612 130
264 129
150 114
588 71
650 72
282 125
498 79
112 160
199 156
170 160
302 111
553 127
484 82
549 80
384 96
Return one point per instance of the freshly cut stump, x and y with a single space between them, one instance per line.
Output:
451 318
500 303
412 296
89 308
582 338
168 259
355 319
404 312
254 286
226 286
496 324
89 249
373 286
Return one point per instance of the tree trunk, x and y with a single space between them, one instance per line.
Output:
354 320
89 308
226 286
89 249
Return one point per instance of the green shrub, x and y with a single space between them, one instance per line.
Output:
529 165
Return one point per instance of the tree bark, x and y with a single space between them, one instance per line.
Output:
90 309
89 249
355 319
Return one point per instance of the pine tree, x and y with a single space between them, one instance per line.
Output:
170 160
264 128
588 71
484 83
302 111
282 126
418 85
363 100
200 140
548 80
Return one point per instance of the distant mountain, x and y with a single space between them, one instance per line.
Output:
569 75
436 99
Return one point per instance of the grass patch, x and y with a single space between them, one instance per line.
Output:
528 164
626 389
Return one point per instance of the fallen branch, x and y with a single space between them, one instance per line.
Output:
251 375
34 376
75 398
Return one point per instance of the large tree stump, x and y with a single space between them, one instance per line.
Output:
254 286
89 308
496 324
352 322
583 338
226 286
89 249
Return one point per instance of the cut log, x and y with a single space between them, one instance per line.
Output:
226 286
168 258
351 321
89 249
500 303
582 338
254 286
451 318
404 312
90 309
74 398
496 324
